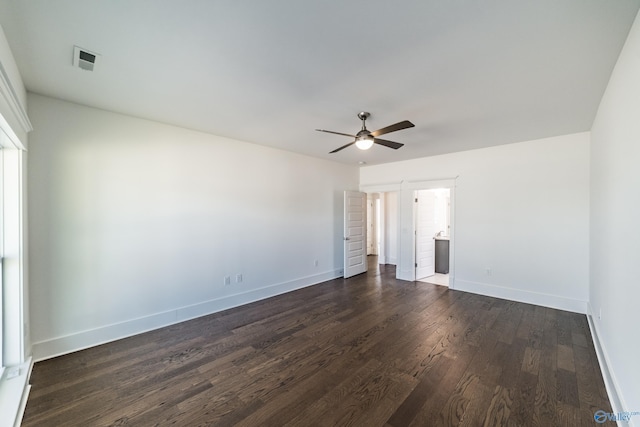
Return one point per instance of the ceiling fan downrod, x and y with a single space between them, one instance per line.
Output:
363 115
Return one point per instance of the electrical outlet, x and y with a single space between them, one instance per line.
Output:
227 280
238 278
315 263
488 271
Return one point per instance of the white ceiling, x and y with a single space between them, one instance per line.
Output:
467 73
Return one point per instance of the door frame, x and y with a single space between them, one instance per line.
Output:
372 224
406 222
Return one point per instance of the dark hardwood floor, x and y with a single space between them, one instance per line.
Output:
366 351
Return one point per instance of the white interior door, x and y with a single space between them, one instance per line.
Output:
425 231
355 233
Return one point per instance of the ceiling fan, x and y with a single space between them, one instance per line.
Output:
365 139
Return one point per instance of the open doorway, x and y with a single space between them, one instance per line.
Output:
373 224
432 234
382 227
398 242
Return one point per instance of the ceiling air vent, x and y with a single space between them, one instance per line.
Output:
84 59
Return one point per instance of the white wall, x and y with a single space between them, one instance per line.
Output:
134 224
521 210
614 233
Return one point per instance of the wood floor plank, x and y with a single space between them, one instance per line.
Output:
332 400
479 395
528 321
563 327
402 385
500 407
565 358
567 388
422 392
588 390
363 399
511 362
536 328
370 350
290 403
524 396
431 410
531 360
508 322
455 408
545 408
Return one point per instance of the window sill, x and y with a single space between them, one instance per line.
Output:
14 390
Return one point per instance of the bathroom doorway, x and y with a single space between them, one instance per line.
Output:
432 234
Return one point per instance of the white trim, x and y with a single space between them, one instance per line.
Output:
8 92
407 227
13 268
8 138
611 384
432 184
14 393
528 297
84 339
380 188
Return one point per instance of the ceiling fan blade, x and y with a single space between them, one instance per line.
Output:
390 144
342 148
337 133
392 128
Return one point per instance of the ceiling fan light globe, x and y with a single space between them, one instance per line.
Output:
364 143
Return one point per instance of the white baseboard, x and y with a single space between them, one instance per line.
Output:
611 384
545 300
58 346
